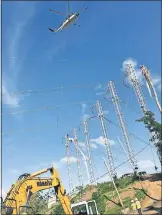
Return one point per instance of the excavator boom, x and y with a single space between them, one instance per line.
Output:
19 193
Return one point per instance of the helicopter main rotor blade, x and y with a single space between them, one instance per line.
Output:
83 9
54 11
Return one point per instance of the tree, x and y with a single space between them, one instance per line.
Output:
58 210
155 128
38 204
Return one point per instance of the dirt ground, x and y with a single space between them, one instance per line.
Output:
88 195
153 202
152 184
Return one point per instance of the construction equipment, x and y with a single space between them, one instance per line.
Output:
18 197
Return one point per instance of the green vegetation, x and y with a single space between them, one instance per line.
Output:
58 209
105 193
38 204
155 128
100 201
140 194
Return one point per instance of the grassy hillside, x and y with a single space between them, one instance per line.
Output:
105 196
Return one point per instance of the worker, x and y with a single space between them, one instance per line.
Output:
138 206
133 207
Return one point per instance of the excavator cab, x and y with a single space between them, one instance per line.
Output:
25 175
85 208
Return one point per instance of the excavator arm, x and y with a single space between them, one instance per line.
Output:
21 192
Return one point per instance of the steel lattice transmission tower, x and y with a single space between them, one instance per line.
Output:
131 74
149 84
68 163
122 123
106 140
88 147
80 178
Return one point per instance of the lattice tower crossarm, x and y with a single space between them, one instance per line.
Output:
68 164
80 178
122 123
106 139
88 147
131 74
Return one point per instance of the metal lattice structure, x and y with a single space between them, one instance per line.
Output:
68 163
122 123
106 140
88 147
131 74
150 85
80 178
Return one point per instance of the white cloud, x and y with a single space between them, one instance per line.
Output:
56 164
131 61
72 160
100 140
156 80
138 73
12 101
83 145
145 164
13 63
94 146
84 115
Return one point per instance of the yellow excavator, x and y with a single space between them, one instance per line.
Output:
17 199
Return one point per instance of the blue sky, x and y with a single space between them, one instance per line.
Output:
34 58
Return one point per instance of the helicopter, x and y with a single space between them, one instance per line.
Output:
70 19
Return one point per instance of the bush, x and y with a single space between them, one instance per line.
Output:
124 182
114 210
58 209
140 194
127 202
105 187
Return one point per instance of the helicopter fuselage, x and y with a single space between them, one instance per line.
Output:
69 20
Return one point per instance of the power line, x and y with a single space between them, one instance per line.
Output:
44 108
123 162
34 91
132 134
